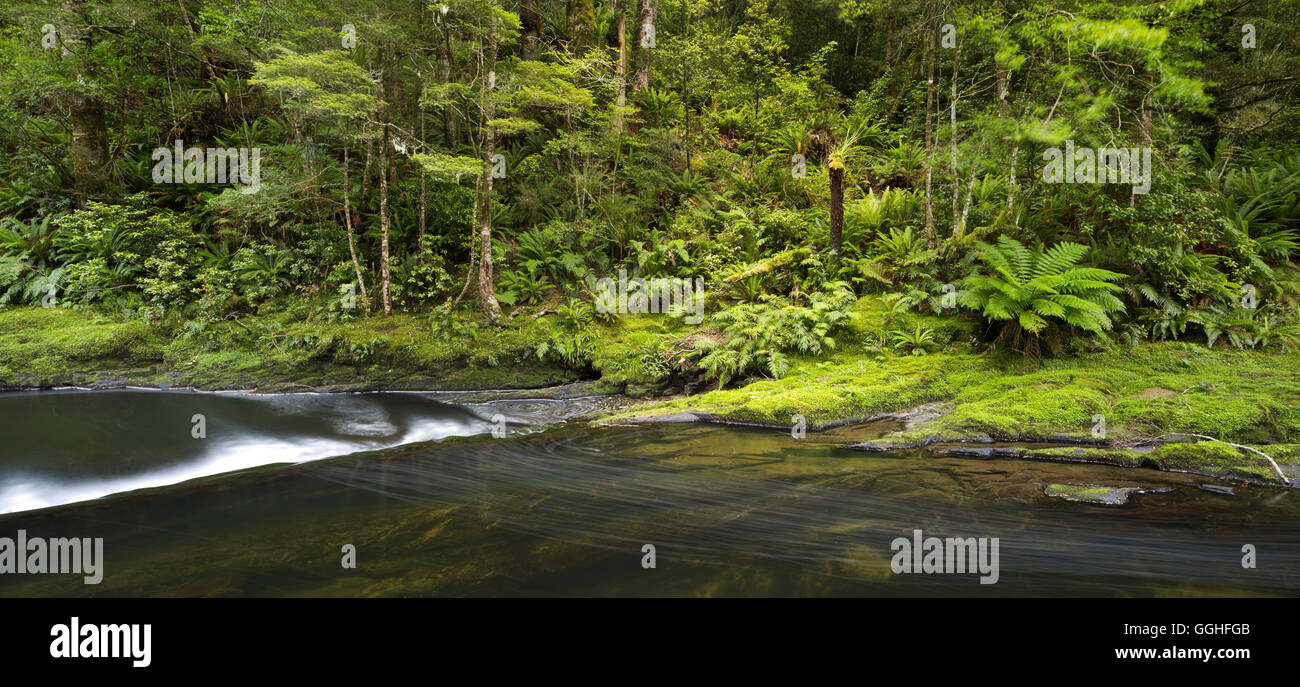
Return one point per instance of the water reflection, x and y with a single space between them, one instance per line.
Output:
731 512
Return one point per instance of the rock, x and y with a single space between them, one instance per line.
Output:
921 414
1216 489
675 418
968 452
1091 493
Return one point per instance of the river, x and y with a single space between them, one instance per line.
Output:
434 504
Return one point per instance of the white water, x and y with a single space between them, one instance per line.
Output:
240 436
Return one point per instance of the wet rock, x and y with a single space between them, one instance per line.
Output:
969 452
674 419
1070 439
921 414
1216 489
886 445
1091 493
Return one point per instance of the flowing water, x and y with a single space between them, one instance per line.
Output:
567 508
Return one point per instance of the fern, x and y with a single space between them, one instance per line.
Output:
757 337
1032 292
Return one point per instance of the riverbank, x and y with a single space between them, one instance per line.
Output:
1133 407
52 347
1129 406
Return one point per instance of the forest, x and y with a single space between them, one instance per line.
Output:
412 195
326 298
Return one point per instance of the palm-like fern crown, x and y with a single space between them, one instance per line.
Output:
1029 285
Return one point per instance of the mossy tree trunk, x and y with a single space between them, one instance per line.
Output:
837 209
89 146
645 16
486 290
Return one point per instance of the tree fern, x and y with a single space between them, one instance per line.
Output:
1032 292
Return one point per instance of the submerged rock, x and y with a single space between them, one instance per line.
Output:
1216 489
1091 493
675 418
980 452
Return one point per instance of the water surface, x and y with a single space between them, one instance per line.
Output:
567 511
66 446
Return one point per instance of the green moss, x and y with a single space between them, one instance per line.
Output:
1244 396
1112 456
1284 454
1214 458
1087 493
840 387
55 346
274 351
1205 457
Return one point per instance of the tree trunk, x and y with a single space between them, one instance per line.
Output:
645 16
365 175
1146 136
889 39
837 210
952 121
451 125
473 231
487 296
620 100
1011 180
89 146
347 218
532 25
929 142
965 210
384 225
686 91
423 201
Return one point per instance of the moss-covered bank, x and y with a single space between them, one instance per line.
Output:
42 347
1114 399
1111 399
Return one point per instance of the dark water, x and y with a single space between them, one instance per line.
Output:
566 510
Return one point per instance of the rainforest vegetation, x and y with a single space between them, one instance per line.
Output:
860 183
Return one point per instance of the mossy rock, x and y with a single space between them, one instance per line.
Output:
1090 493
1213 458
1086 454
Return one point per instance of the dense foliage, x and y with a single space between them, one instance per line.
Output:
489 160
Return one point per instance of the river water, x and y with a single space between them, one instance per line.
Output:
434 504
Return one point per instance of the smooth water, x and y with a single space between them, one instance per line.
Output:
62 447
567 510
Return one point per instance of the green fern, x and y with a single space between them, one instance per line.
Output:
1032 291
